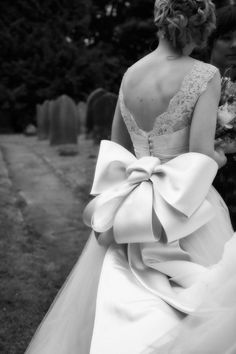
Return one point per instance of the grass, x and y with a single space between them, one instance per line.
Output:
32 271
33 268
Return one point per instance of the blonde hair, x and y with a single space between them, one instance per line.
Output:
185 21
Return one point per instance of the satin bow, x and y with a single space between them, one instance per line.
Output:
138 199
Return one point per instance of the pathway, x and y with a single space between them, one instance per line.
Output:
42 196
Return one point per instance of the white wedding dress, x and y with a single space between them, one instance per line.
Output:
170 227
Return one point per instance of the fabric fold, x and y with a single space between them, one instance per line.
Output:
141 198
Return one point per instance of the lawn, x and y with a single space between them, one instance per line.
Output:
34 267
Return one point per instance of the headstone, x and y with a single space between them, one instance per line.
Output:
90 108
104 109
30 130
82 109
63 121
43 120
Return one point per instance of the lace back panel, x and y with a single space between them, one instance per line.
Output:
181 106
170 134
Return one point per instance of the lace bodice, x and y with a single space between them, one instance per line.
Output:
170 134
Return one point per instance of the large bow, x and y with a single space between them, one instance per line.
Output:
139 198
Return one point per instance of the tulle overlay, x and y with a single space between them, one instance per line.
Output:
67 328
211 328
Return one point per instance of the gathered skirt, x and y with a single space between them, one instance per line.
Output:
148 298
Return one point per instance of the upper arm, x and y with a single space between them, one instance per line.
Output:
119 132
202 132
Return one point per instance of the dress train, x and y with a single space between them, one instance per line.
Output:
211 328
140 284
67 327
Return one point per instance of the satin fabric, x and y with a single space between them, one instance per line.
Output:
112 303
138 283
128 317
145 187
124 299
151 193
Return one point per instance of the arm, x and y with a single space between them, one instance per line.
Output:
203 127
119 132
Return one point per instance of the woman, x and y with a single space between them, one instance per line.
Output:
223 41
223 56
159 227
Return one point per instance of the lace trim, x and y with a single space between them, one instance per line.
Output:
179 112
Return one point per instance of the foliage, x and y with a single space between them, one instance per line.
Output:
54 47
122 32
42 53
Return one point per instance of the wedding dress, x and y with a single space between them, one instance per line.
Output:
170 227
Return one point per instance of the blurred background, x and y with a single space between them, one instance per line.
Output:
53 47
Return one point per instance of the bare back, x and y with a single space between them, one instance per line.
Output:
151 83
158 100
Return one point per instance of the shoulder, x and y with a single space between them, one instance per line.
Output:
207 70
142 62
137 70
208 75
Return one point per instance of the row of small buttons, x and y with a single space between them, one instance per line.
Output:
150 144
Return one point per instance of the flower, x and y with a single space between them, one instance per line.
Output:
225 116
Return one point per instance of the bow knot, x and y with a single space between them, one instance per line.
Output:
143 169
139 199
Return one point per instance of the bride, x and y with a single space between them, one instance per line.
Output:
159 229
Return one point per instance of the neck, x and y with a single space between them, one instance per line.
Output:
166 49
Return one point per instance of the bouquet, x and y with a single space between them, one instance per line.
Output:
226 118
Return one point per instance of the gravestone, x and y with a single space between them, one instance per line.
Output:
30 130
90 108
63 121
43 120
82 109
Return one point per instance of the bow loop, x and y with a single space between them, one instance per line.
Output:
141 199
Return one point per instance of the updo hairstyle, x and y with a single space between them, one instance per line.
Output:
185 21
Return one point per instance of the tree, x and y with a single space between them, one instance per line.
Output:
54 47
120 32
42 53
